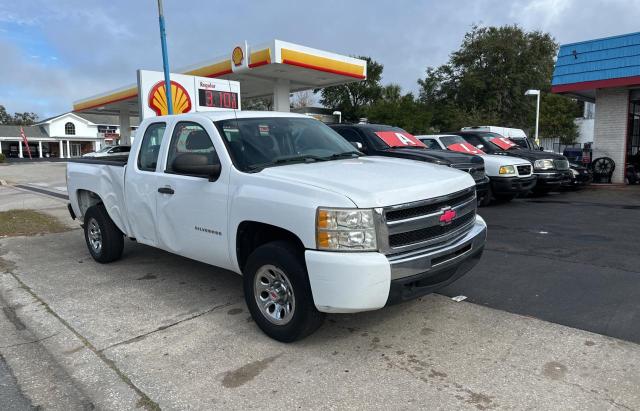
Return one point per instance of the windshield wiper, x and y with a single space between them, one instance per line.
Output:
298 159
346 154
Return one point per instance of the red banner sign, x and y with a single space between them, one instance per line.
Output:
399 139
503 142
25 141
465 148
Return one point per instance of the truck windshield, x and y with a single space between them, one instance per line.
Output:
498 142
256 143
457 143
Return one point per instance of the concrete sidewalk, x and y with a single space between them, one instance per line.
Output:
157 330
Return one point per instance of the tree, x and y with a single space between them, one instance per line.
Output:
304 98
5 118
260 104
484 81
557 118
399 110
25 119
352 99
19 119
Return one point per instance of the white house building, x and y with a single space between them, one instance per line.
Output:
64 136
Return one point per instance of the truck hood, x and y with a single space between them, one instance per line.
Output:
434 156
499 161
533 155
375 181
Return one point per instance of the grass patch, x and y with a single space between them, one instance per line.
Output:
28 222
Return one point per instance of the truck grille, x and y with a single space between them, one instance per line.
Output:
524 170
420 235
561 164
418 225
419 210
476 171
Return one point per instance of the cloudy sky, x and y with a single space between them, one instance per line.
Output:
55 52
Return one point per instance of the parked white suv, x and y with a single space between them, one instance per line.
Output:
284 200
509 176
110 151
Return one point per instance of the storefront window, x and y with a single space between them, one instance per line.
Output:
633 129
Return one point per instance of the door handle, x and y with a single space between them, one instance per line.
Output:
166 190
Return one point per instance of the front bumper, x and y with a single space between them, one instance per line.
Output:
352 282
553 178
512 185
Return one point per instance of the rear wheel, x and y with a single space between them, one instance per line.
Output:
278 294
104 240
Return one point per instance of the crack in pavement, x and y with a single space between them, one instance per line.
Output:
145 401
164 327
29 342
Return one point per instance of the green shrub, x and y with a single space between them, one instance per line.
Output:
2 158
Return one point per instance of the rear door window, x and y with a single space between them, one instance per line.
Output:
150 146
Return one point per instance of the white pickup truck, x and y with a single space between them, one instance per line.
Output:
509 176
285 201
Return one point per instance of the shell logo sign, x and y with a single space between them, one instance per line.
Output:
237 55
179 97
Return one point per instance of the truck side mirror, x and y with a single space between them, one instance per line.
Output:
198 165
358 145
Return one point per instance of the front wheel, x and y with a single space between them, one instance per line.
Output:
104 240
486 200
278 294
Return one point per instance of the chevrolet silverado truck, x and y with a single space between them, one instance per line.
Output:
313 226
388 141
509 176
551 169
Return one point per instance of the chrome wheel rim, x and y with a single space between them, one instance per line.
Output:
274 295
95 235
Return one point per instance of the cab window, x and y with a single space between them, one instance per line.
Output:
150 147
189 137
431 143
350 135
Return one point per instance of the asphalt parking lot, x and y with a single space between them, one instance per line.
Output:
154 330
570 258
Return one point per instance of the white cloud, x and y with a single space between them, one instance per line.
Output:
98 45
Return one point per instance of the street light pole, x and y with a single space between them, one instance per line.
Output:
165 58
537 118
537 94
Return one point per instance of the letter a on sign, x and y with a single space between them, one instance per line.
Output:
399 139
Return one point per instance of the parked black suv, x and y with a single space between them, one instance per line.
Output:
382 140
551 169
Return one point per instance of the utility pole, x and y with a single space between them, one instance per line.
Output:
165 58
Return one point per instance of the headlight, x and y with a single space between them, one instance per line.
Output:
507 170
574 172
544 165
345 230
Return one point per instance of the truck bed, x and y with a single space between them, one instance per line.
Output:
118 161
105 178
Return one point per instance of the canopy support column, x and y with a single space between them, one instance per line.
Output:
125 126
281 91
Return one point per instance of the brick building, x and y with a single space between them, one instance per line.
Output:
606 72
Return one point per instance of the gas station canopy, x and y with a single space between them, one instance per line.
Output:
275 69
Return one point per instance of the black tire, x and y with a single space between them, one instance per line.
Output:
111 239
304 318
486 200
